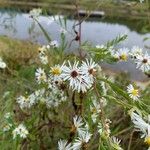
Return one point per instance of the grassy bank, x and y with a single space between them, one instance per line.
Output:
21 59
18 52
128 9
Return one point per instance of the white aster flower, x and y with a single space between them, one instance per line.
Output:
42 50
43 59
135 52
72 72
62 145
95 110
143 62
26 102
133 93
40 75
116 143
78 125
55 97
54 44
74 75
121 54
7 115
83 85
35 13
48 46
139 124
7 127
2 64
39 96
39 93
55 81
55 75
20 131
88 69
81 141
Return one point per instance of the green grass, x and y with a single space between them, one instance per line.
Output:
21 59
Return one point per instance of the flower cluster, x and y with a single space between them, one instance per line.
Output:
82 139
43 51
142 60
42 54
26 102
20 131
32 99
51 97
80 78
54 97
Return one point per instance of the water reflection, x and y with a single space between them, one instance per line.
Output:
96 32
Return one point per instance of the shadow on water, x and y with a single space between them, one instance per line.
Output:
17 24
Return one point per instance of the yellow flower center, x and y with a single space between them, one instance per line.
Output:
135 92
147 140
6 126
56 71
73 129
94 110
42 77
26 99
123 57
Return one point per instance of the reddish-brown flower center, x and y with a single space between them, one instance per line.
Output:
92 71
74 73
145 61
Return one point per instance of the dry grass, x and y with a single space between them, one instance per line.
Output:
17 52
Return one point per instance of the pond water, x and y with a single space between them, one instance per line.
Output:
20 26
